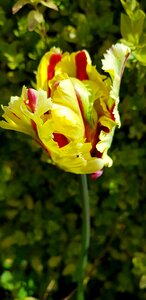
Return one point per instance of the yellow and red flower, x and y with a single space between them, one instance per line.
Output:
74 111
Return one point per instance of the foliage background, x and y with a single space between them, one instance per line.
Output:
40 207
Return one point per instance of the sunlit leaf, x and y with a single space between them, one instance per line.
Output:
132 28
19 4
49 4
34 18
130 6
142 283
7 280
140 55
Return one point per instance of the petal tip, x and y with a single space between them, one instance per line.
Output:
97 174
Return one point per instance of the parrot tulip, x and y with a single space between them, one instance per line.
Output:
74 111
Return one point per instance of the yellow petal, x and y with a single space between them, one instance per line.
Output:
65 94
66 65
15 119
19 117
67 122
74 157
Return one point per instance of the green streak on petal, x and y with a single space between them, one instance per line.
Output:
87 92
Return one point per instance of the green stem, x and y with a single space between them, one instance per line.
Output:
85 237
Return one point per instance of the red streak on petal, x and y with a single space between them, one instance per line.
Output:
34 126
49 92
111 112
94 151
54 87
60 139
81 63
80 104
86 125
98 154
54 59
31 99
103 128
16 116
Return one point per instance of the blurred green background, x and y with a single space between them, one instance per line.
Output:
40 206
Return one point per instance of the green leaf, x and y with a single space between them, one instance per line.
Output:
7 280
38 16
138 23
69 269
130 6
49 4
126 28
140 55
22 293
132 27
54 261
139 262
2 16
142 283
34 18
